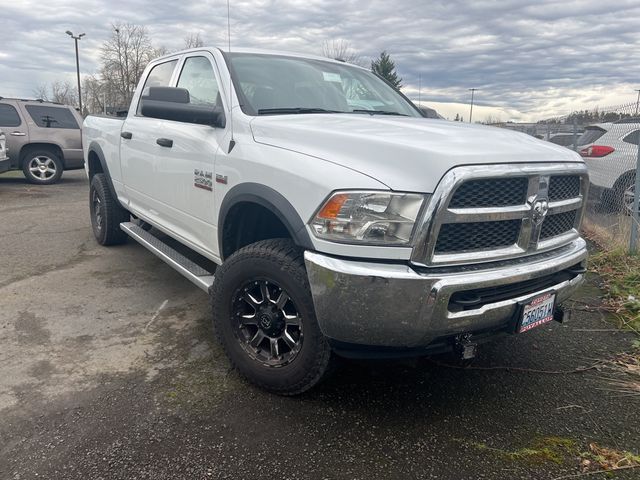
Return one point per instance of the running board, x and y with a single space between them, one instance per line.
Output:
191 270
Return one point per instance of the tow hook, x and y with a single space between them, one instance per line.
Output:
561 315
465 347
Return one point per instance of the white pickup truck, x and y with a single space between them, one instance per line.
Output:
326 216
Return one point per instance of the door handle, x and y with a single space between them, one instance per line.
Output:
165 142
18 134
126 135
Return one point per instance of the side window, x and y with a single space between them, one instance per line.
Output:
9 116
633 137
197 76
159 76
52 117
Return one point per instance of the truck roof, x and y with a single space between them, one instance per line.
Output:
261 52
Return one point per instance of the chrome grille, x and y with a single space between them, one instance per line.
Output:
490 192
562 187
498 212
558 224
460 237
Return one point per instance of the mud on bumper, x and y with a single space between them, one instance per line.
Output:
395 305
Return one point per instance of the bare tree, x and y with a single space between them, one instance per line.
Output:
58 91
41 92
193 40
94 94
124 57
491 119
160 51
64 92
340 50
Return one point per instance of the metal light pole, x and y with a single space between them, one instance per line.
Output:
472 90
76 38
637 101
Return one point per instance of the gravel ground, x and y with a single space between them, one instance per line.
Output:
108 370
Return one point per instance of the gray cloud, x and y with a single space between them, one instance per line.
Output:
530 60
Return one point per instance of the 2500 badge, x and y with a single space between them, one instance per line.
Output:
203 179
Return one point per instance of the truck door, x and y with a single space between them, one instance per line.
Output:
139 152
185 173
16 131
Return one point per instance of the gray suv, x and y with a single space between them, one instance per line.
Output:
43 138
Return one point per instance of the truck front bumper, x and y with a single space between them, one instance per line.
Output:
395 305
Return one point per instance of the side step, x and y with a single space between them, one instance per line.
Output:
192 271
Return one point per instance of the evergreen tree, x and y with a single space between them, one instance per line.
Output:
386 68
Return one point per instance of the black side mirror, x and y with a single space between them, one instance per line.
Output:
170 103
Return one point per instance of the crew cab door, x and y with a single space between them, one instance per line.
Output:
185 174
139 152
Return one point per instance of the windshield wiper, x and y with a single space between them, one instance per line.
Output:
380 112
289 110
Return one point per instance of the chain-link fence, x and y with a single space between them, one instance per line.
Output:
608 141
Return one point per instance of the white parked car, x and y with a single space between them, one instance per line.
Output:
5 164
610 151
325 215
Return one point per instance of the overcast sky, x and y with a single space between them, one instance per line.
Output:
530 60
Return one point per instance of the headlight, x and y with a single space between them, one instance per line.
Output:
375 218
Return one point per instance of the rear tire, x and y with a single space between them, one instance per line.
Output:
42 167
106 213
264 318
620 197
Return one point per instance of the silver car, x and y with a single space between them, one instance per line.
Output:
42 138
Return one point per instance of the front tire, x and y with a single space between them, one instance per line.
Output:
106 213
42 167
264 318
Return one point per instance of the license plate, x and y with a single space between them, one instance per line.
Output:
537 312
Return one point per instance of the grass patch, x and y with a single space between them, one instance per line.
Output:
556 450
619 272
611 234
601 458
565 451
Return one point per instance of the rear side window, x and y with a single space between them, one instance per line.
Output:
159 76
9 116
632 138
590 135
52 117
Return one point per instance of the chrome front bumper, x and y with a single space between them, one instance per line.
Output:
393 305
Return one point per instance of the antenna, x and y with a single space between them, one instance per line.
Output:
232 142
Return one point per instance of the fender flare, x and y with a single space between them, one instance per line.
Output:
95 148
273 201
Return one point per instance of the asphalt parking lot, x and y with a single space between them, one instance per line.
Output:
108 370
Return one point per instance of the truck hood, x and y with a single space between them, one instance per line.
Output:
406 154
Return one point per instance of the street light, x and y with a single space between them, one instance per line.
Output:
76 38
637 101
472 90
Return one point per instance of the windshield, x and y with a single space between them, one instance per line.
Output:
273 84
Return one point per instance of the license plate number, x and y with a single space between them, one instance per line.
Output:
537 312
